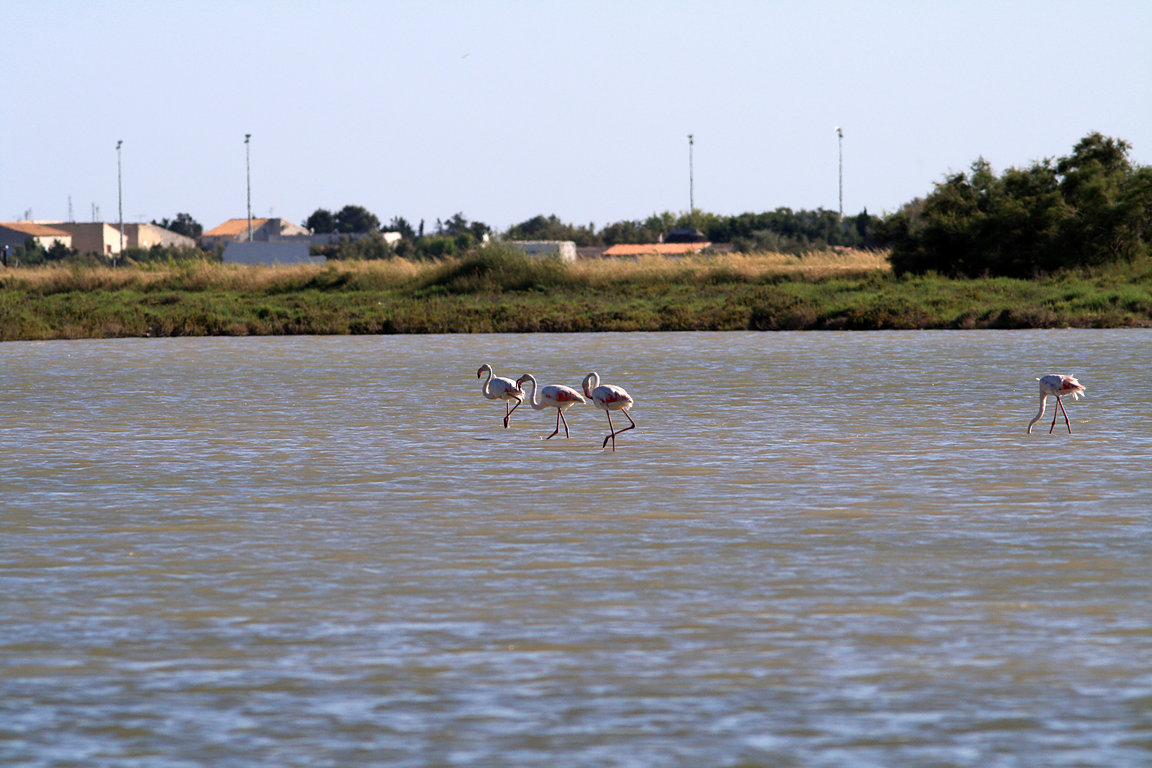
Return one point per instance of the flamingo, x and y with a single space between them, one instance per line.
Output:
608 398
1056 385
552 396
499 388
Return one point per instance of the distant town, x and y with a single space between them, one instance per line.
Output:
278 241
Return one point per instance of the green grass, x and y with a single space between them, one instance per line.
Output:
494 290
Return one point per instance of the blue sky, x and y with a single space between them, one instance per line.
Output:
505 110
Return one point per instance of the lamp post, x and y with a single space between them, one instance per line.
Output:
691 191
840 136
119 198
248 168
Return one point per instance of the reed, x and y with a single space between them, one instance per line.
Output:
495 290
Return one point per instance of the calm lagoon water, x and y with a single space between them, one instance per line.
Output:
816 549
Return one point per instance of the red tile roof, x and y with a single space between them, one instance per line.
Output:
234 227
35 230
656 249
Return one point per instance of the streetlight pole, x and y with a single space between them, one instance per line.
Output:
248 167
691 181
840 135
119 198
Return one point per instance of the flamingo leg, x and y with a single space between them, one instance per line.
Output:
611 433
614 432
508 413
560 413
1066 422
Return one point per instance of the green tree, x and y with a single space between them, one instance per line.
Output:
454 226
552 228
354 218
1091 207
183 224
322 222
1105 191
401 225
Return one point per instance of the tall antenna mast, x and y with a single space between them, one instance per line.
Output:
691 181
840 135
248 166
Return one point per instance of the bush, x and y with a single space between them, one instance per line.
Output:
1090 208
496 268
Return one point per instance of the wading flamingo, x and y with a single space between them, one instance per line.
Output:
609 398
1056 385
552 396
499 388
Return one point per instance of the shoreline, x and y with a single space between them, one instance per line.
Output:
482 294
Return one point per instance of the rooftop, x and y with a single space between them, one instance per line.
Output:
235 227
33 229
656 249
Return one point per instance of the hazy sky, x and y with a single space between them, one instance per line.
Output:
505 110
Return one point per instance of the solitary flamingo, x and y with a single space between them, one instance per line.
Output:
552 396
1056 385
499 388
608 398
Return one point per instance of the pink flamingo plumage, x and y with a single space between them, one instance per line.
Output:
499 388
608 398
1056 385
551 396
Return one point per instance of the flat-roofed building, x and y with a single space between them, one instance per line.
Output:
263 231
14 234
93 237
148 235
565 250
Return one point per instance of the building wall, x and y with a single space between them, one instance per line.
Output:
270 253
565 250
148 235
94 237
263 231
14 238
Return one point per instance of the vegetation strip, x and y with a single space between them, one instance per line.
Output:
498 290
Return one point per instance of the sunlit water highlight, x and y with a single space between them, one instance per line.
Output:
816 549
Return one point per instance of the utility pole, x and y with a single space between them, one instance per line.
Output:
248 166
840 135
691 182
119 198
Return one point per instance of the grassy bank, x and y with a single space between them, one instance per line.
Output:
495 291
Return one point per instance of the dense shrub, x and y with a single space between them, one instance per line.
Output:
1092 207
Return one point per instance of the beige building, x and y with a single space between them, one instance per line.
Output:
16 233
263 231
94 237
104 239
148 235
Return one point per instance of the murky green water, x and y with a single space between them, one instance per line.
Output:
831 549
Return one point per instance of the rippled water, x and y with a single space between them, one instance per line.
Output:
816 549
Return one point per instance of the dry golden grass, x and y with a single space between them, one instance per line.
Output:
742 267
202 275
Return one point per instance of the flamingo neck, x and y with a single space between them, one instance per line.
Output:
533 401
591 381
1040 413
488 383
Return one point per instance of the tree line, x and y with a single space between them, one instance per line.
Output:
1091 207
1088 208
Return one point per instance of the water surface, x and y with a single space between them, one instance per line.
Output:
816 549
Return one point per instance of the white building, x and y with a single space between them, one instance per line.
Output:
16 233
565 250
270 254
